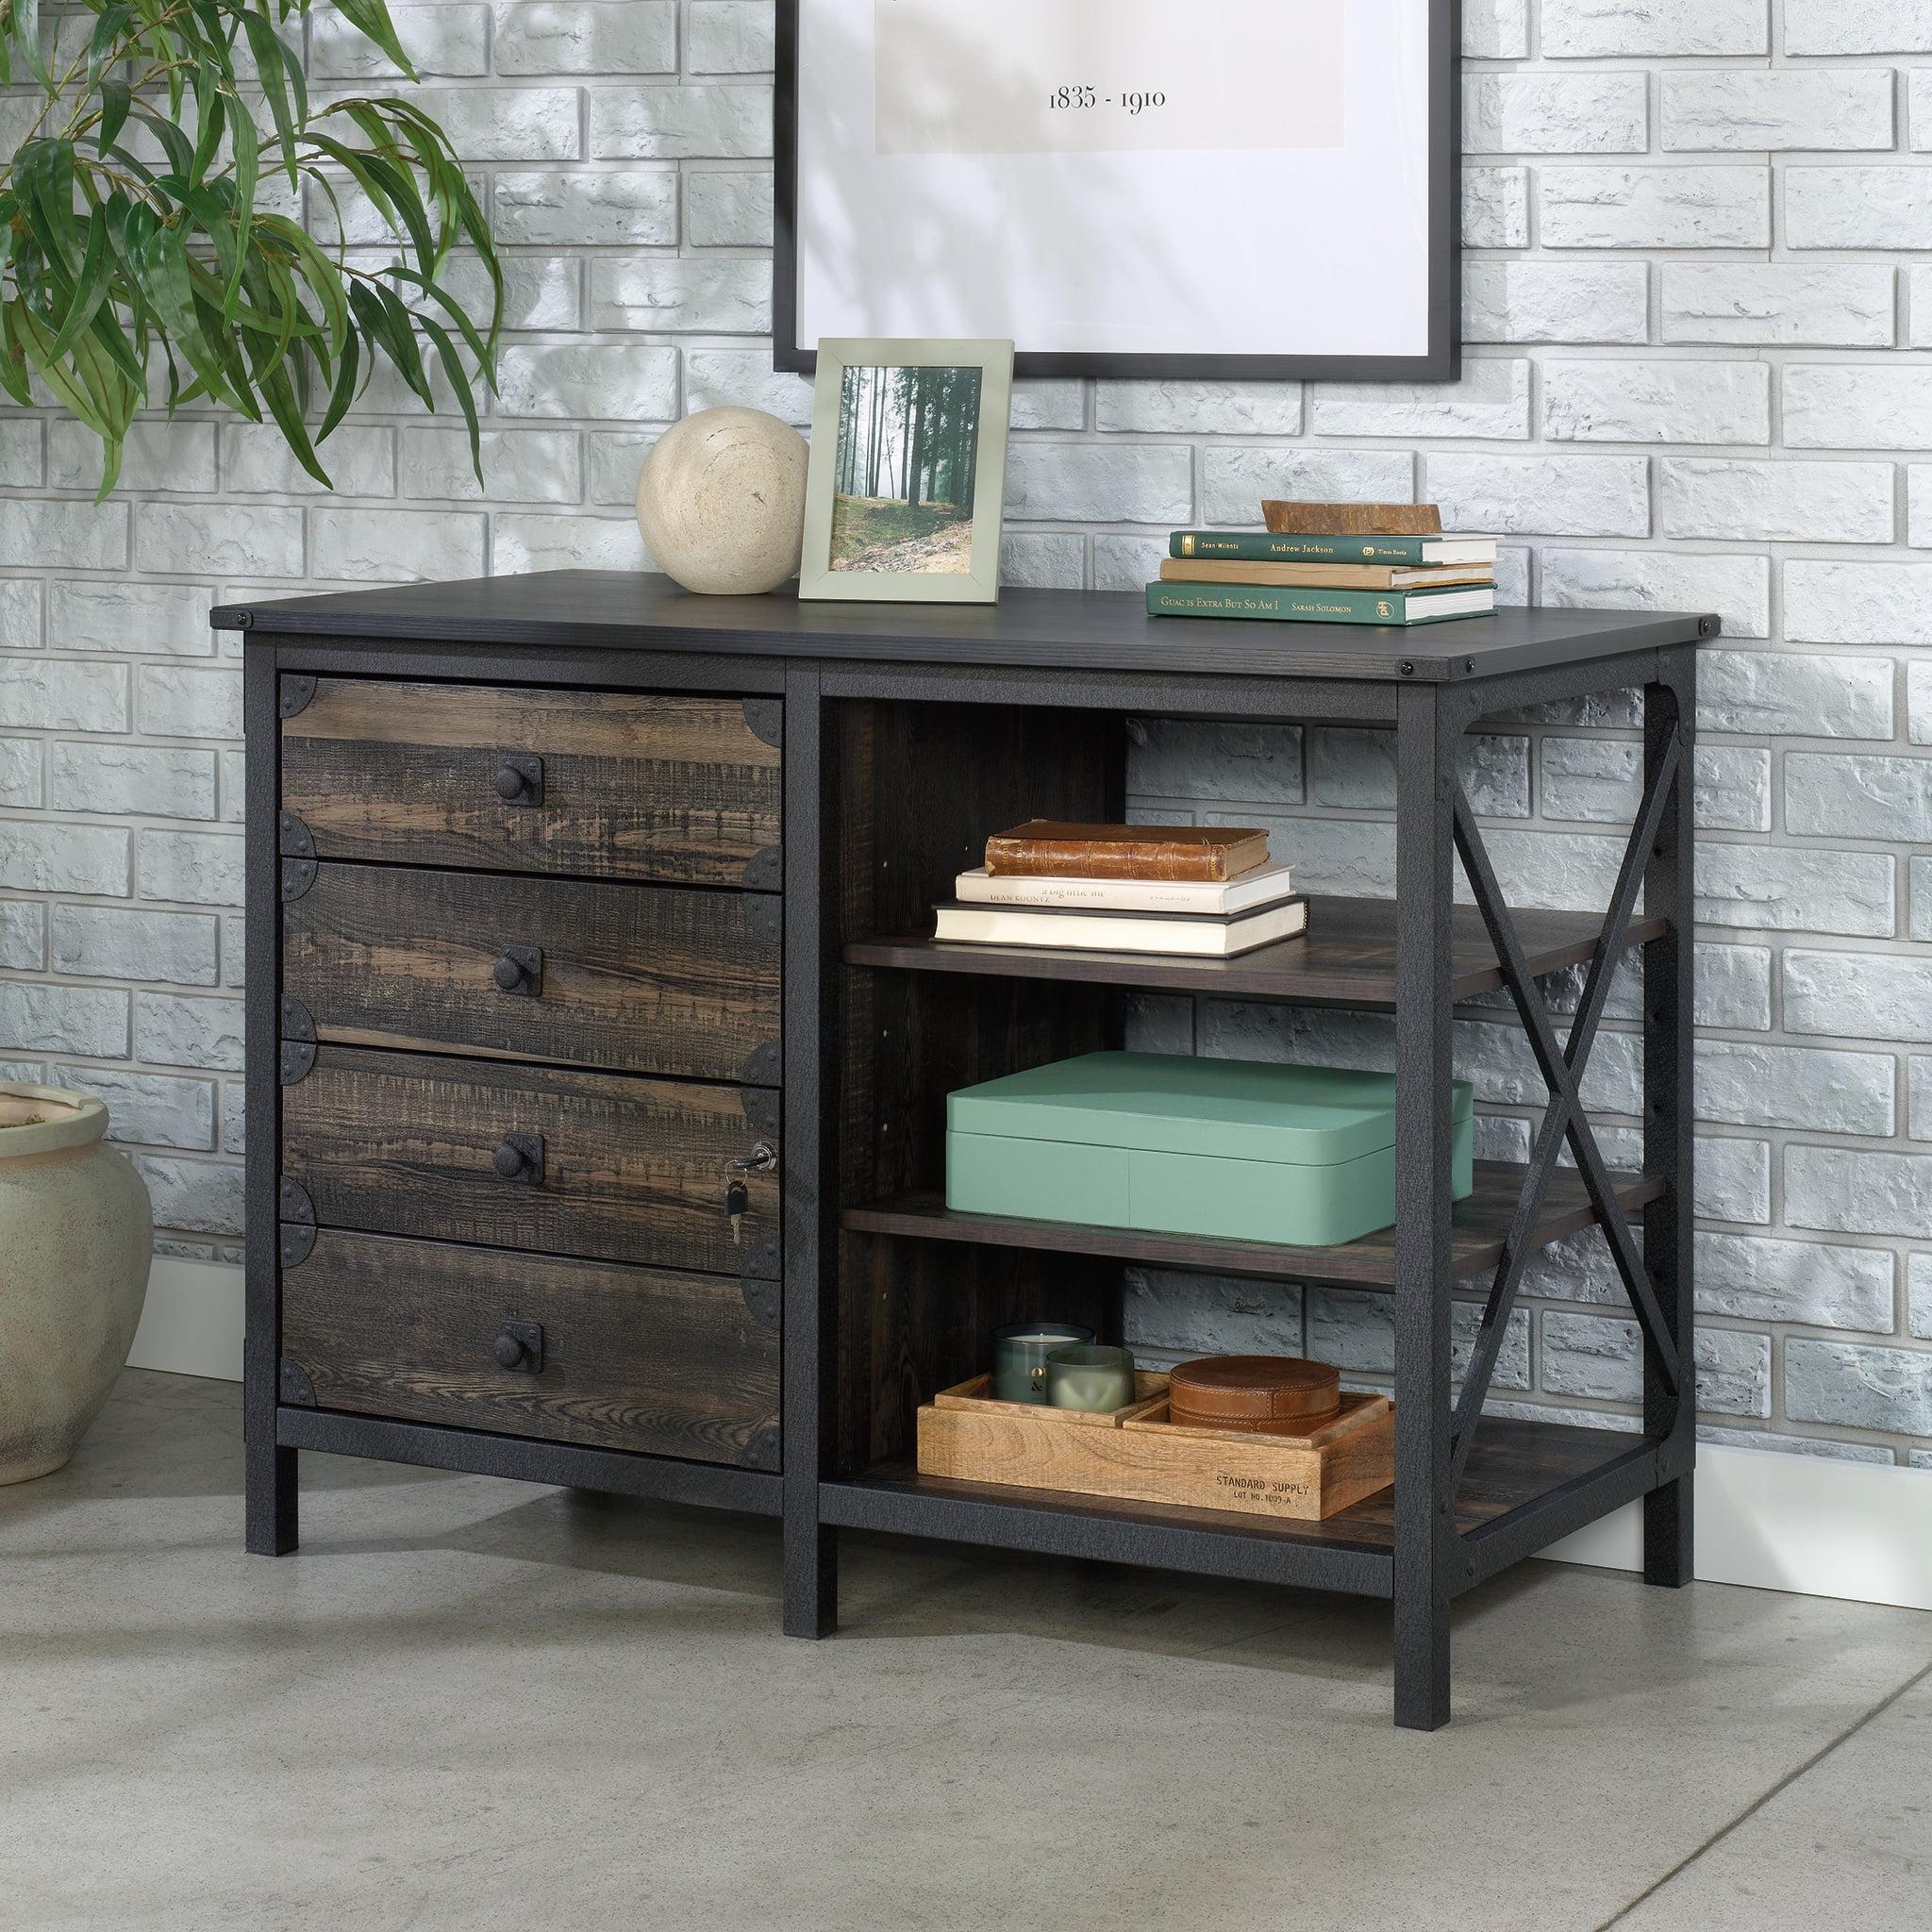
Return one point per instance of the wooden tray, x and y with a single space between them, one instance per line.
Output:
1138 1454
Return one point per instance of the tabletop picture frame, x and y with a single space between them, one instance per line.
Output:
905 493
1128 188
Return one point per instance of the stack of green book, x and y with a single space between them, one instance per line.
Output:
1334 578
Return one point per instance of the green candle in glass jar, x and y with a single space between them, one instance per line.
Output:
1097 1380
1020 1352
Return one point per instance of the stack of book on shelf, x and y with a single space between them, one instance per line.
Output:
1330 563
1198 891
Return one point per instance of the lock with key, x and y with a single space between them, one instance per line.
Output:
762 1158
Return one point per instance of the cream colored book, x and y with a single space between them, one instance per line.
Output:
1211 898
1173 933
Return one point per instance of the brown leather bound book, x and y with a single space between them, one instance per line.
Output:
1048 848
1352 519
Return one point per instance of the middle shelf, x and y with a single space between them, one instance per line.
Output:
1347 957
1478 1228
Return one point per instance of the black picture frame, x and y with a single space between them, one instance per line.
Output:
1440 363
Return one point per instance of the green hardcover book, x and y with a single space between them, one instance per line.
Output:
1294 605
1251 546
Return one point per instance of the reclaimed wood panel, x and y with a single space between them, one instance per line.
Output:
636 784
642 978
635 1359
634 1170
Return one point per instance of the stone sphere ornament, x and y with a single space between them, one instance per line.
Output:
720 502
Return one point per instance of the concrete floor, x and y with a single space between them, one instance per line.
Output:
471 1703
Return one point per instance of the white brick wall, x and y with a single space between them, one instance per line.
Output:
1695 374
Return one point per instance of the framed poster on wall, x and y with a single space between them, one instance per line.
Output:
1125 188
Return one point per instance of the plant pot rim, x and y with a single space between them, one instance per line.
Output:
72 1120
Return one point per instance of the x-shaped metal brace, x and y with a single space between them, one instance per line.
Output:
1563 1068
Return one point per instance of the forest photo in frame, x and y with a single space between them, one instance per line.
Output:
908 454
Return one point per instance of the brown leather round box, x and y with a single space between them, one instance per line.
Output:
1266 1394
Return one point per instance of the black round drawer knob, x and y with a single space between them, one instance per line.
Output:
509 1160
508 1350
511 782
509 972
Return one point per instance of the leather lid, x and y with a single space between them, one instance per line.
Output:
1231 1389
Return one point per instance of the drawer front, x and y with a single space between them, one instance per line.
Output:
607 784
628 1169
650 979
636 1358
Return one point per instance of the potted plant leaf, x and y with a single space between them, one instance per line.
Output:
172 224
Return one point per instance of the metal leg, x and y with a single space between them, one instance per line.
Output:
272 1527
1669 1414
811 1055
1425 1528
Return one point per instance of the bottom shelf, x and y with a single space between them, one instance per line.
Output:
1527 1484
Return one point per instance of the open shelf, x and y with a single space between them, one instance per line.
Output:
1346 958
1527 1483
1478 1230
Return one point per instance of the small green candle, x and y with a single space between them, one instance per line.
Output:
1020 1352
1097 1380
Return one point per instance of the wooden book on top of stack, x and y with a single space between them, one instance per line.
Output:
1201 891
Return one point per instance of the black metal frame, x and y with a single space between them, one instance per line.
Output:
1431 1560
1440 363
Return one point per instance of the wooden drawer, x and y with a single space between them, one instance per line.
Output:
627 1358
652 978
630 785
632 1169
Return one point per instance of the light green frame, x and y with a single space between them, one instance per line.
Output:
981 583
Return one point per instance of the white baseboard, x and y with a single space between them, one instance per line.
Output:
1798 1522
192 1325
1769 1522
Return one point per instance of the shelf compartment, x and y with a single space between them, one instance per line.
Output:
1527 1484
1345 959
1478 1228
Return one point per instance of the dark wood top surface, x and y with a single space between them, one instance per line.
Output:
1090 630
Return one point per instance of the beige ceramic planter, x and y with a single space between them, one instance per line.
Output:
76 1235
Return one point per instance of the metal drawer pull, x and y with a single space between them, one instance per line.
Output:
520 779
519 1347
520 970
520 1156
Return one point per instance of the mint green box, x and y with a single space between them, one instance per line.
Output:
1167 1144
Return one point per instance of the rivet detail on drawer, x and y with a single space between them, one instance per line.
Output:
292 1202
298 874
761 1452
293 838
760 1298
295 1385
296 694
764 1065
764 872
764 718
760 1106
297 1242
297 1061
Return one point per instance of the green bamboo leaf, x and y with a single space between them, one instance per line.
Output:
248 174
485 361
117 98
43 175
343 393
91 285
288 415
453 368
371 18
323 278
271 69
103 42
